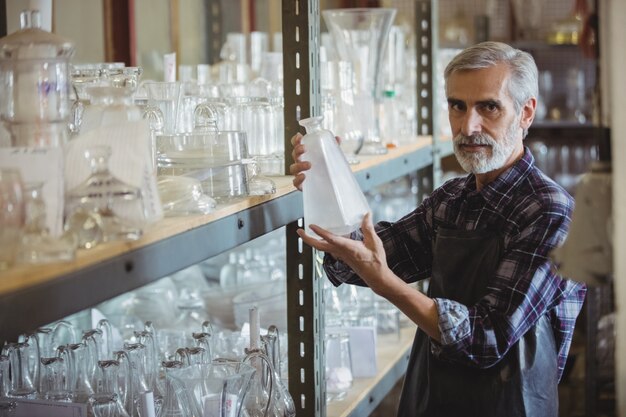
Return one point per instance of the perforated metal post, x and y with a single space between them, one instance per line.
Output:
300 20
426 36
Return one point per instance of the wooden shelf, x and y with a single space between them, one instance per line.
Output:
31 296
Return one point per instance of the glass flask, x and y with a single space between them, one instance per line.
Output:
37 245
332 197
218 389
11 215
361 37
100 193
34 69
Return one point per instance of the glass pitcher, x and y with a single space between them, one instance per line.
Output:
269 397
114 390
213 390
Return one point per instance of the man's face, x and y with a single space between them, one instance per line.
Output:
486 128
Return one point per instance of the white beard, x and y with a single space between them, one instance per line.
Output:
480 162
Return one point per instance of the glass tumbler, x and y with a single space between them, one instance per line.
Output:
338 365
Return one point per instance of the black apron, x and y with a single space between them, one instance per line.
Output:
523 383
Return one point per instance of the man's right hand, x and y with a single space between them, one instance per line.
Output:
298 167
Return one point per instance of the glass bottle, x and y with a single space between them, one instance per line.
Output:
37 245
101 192
331 195
11 215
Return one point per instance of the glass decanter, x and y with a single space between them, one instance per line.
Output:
78 383
37 245
100 193
53 380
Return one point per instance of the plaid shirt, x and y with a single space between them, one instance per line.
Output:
533 215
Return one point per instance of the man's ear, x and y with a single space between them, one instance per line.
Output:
528 113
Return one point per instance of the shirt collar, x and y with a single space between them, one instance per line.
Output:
505 182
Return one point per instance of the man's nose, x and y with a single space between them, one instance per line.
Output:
472 123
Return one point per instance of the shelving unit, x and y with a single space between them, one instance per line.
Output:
34 296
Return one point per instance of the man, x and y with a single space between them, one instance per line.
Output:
495 328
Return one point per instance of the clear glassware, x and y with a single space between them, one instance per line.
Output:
167 97
12 215
22 384
76 356
338 365
136 355
34 67
53 380
337 79
100 193
219 388
332 198
268 397
174 405
37 245
114 391
361 37
4 376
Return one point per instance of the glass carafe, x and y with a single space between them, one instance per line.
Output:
360 36
54 378
76 356
101 192
22 385
173 406
34 69
113 391
268 397
332 197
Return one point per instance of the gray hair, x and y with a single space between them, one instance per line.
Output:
523 83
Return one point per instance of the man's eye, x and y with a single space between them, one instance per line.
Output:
456 106
490 107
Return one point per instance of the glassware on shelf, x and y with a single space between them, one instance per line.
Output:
76 356
360 37
53 380
22 384
34 67
337 81
181 196
216 389
173 406
114 390
338 365
167 97
100 193
12 215
37 245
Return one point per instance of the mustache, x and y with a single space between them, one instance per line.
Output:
477 139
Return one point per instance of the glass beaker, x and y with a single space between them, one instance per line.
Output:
338 365
34 69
